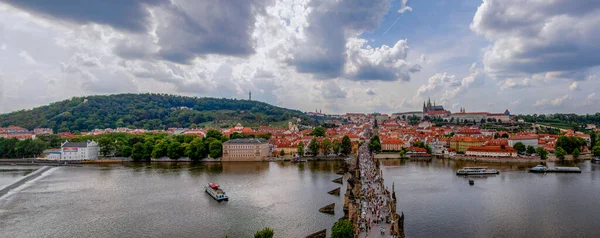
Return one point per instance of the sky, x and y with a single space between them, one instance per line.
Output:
336 56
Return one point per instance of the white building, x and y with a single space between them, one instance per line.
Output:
491 151
526 140
79 150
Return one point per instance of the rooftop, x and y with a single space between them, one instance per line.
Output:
246 141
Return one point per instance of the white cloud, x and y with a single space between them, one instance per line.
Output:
448 86
383 63
23 54
516 83
552 102
574 86
590 96
404 7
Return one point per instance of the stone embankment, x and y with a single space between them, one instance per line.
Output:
23 180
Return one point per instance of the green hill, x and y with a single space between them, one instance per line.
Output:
149 111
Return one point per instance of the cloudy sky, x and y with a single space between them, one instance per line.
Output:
530 56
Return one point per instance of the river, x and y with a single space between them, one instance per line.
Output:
167 200
515 203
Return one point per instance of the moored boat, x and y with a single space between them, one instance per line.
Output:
538 169
596 160
215 191
476 171
544 169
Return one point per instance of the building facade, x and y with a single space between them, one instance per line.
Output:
462 143
391 145
247 149
526 140
491 151
79 150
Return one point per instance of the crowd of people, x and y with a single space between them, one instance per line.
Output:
374 200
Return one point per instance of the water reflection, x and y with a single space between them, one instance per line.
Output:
438 203
167 200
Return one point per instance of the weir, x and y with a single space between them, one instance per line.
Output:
368 204
21 181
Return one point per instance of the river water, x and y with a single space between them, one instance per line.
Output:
515 203
167 200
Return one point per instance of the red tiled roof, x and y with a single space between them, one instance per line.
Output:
491 149
523 137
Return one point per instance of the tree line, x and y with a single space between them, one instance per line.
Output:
326 145
15 148
147 111
146 146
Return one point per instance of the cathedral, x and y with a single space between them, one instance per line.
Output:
428 108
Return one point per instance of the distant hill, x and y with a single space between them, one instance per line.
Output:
149 111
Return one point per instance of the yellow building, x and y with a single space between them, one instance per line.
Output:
462 143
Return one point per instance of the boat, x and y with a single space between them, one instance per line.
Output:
215 191
596 160
471 182
476 171
544 169
298 160
538 169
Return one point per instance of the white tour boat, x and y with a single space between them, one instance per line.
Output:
216 192
476 171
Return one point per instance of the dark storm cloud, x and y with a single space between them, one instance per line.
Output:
330 22
185 29
539 36
196 28
131 15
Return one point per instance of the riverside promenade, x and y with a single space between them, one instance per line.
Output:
368 204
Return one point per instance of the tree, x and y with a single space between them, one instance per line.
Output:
560 153
148 148
214 134
107 146
300 149
570 143
236 135
264 233
336 146
137 153
346 145
216 149
126 151
596 150
195 150
313 147
318 131
403 153
520 147
576 153
342 229
375 144
160 149
593 139
326 146
174 150
543 153
530 149
281 153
